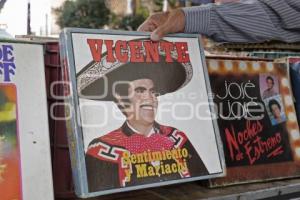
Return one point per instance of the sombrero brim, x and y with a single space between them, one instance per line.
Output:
167 78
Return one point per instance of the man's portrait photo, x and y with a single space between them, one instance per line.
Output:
268 86
144 122
275 110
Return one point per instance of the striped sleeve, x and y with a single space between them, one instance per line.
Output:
258 21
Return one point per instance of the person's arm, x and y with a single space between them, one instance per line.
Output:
258 21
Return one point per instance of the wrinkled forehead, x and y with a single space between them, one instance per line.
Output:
145 83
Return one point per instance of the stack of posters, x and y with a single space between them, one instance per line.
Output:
139 111
256 118
25 161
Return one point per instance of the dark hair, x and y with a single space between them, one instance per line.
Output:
273 102
270 78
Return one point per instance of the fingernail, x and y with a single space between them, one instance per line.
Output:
154 37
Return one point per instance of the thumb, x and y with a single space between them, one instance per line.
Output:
160 32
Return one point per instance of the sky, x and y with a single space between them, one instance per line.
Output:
14 15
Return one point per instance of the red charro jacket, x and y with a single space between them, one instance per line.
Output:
107 167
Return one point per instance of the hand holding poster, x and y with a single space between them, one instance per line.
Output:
138 108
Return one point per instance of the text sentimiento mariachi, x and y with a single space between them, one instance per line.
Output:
147 163
138 51
7 65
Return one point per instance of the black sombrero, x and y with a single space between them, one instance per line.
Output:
95 81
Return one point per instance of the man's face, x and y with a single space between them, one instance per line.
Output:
270 84
275 111
142 101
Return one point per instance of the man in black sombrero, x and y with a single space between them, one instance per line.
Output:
141 151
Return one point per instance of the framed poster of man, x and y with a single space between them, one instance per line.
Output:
141 111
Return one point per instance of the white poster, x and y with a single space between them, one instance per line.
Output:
25 160
143 111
